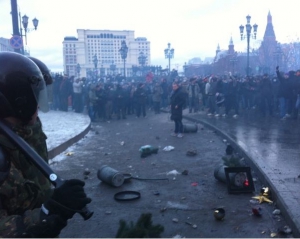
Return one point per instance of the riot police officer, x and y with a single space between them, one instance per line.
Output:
29 206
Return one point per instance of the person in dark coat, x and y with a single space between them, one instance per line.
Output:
140 96
284 92
177 100
265 95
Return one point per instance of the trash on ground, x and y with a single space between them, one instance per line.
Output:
191 152
147 150
122 143
173 172
194 184
69 153
185 172
262 199
86 171
156 193
276 212
176 205
194 226
285 230
177 236
163 209
175 220
168 148
273 234
257 211
219 213
108 212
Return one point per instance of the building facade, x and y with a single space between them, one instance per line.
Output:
4 45
105 44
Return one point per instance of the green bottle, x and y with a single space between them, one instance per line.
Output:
147 150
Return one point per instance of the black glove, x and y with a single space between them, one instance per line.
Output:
48 227
277 68
67 199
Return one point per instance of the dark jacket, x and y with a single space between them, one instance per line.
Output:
285 88
177 100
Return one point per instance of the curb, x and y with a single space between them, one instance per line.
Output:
286 212
61 148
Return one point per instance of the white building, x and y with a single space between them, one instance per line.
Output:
4 45
105 44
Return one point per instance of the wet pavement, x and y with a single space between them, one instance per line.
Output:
272 147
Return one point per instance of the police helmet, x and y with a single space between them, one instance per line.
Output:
21 83
44 69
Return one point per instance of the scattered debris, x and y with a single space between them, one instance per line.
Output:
224 140
147 150
276 212
219 214
185 172
175 220
163 209
191 152
176 205
86 171
194 226
122 143
173 172
107 212
253 201
177 236
168 148
194 184
157 137
285 230
257 211
273 234
69 153
262 199
156 193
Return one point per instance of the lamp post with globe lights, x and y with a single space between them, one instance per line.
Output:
123 51
169 54
248 36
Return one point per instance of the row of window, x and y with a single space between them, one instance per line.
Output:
104 35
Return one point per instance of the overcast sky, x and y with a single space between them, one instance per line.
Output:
193 27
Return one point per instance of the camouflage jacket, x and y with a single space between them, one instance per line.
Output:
25 188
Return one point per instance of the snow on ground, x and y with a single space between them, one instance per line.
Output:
60 126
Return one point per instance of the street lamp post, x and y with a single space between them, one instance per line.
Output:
95 61
248 35
233 61
16 20
142 61
278 54
113 68
169 54
102 70
123 51
25 25
78 68
184 69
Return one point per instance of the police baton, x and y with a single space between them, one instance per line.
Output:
39 162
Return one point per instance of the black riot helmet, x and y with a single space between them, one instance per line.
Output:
21 85
44 69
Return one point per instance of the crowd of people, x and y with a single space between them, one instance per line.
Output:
217 95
